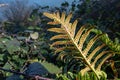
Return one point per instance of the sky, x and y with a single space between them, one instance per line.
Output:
43 2
53 3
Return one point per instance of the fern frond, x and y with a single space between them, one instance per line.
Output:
90 44
57 30
95 51
77 37
58 43
75 42
61 36
83 38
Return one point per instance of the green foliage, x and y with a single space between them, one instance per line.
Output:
79 76
18 49
115 46
10 48
36 69
51 67
14 77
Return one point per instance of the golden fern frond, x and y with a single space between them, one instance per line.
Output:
68 38
57 30
64 48
60 36
57 43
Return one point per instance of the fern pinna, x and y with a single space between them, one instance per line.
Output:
68 40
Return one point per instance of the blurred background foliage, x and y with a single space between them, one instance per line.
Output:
25 45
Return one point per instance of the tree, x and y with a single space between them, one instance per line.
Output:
16 15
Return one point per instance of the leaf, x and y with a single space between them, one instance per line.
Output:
7 66
2 45
51 67
12 46
14 77
61 43
36 69
1 57
112 45
57 30
34 35
61 36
